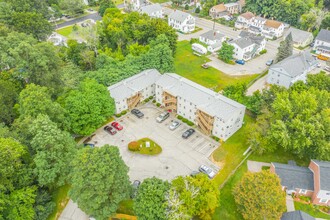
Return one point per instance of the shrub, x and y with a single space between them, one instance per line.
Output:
134 146
158 104
123 112
118 115
263 51
184 120
186 7
194 40
215 138
154 101
151 97
190 123
179 117
197 10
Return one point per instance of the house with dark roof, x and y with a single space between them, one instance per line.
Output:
181 21
296 215
322 43
292 69
300 38
247 45
312 181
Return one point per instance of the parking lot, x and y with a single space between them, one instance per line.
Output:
178 157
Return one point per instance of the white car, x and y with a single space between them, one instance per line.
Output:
174 125
162 117
207 170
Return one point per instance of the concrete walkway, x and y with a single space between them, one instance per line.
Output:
289 204
72 212
258 85
254 166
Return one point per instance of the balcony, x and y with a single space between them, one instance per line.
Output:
205 122
134 100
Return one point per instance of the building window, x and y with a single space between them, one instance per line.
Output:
303 191
323 201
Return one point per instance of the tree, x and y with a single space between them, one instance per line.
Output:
285 49
104 5
72 7
105 173
88 107
150 201
197 10
54 149
192 196
312 20
320 81
226 52
260 196
8 98
326 22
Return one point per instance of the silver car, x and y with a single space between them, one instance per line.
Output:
174 125
162 117
207 170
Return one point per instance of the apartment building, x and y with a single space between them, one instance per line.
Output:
181 21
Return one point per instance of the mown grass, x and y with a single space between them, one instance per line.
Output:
60 197
188 65
311 210
153 148
66 31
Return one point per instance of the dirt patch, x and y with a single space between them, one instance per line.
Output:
218 163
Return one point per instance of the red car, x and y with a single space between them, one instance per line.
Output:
110 130
117 126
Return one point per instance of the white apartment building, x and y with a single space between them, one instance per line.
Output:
213 113
322 43
181 21
154 10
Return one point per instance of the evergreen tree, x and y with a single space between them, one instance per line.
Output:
285 49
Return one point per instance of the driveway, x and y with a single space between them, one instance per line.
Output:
178 157
255 166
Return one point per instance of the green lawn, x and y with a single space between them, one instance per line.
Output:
159 1
188 65
66 31
154 148
126 207
310 210
60 197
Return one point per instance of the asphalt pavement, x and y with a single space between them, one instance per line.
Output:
95 16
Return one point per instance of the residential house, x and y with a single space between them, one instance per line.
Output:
226 10
213 113
296 215
292 69
213 39
135 5
300 38
247 45
153 10
322 43
181 21
258 25
312 181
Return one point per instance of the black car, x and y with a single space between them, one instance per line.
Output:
137 113
188 133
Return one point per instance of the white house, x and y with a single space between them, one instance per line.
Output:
181 21
244 20
247 45
212 37
154 10
213 113
273 29
322 43
226 10
291 69
300 38
135 5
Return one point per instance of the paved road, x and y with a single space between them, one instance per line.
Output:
95 16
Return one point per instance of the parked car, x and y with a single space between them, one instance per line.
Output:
88 138
194 173
137 113
269 62
117 126
321 57
135 187
110 130
207 170
242 62
326 68
162 117
188 133
89 145
205 66
174 125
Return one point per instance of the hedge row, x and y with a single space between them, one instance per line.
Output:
184 120
121 114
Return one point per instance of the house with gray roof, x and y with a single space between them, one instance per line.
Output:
212 112
247 45
292 69
300 38
153 10
322 43
135 5
296 215
312 181
181 21
213 39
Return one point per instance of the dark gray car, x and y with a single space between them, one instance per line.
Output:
188 133
137 113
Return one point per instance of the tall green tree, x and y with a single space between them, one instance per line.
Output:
54 149
8 98
88 107
226 52
150 202
104 5
72 7
99 181
285 49
260 196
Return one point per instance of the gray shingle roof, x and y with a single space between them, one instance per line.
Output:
324 174
294 177
324 35
151 8
128 87
299 35
255 38
242 42
205 99
296 64
179 15
296 215
212 35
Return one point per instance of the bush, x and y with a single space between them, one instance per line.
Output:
118 115
186 7
190 123
123 112
263 51
194 40
154 101
158 104
215 138
197 10
179 117
184 120
151 97
134 146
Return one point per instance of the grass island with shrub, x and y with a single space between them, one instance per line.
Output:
140 146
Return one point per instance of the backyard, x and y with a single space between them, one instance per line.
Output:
188 65
310 209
